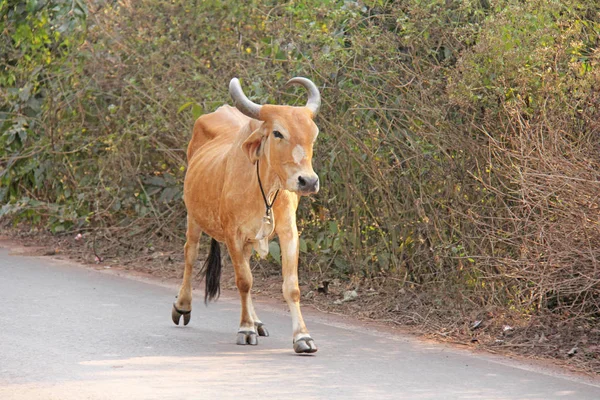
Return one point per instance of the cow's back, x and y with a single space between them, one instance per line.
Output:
225 121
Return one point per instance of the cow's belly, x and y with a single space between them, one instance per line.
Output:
207 222
202 195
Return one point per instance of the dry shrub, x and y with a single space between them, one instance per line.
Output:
547 236
538 114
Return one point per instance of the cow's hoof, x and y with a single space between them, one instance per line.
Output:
177 313
247 337
305 345
261 329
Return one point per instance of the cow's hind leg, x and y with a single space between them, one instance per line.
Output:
240 255
183 305
261 329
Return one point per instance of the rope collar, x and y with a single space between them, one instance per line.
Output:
268 206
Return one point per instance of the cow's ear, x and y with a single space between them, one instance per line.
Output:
253 145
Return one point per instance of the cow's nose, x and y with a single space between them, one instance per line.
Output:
308 184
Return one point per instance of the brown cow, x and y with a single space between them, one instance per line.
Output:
241 162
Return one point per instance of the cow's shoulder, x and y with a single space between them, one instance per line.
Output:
224 123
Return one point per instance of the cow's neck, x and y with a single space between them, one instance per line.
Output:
269 180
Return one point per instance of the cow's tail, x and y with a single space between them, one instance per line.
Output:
211 271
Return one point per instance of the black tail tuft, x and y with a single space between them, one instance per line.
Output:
212 272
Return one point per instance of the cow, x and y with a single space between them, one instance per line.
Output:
248 166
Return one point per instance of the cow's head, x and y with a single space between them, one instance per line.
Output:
285 138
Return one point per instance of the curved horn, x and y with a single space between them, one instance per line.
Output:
242 102
314 97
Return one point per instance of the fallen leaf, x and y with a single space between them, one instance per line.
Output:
476 324
350 295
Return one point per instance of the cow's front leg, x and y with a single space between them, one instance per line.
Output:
288 240
240 255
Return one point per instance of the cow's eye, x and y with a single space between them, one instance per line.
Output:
277 134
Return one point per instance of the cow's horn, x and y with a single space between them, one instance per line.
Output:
243 103
314 98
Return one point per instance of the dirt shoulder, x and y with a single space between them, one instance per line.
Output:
542 340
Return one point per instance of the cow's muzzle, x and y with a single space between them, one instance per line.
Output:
308 184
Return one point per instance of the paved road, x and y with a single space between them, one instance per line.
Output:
70 332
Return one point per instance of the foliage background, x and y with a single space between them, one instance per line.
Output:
459 152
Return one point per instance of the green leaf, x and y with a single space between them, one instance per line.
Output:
168 194
10 137
281 56
197 111
303 247
156 181
275 252
183 107
22 136
333 228
58 228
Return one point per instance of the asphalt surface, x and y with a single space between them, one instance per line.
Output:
72 332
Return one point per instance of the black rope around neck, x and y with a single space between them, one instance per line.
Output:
267 205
